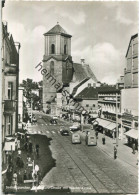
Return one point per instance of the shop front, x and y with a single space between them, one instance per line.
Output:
107 127
132 137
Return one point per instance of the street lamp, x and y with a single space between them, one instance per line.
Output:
116 121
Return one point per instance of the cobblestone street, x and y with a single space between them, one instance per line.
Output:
85 169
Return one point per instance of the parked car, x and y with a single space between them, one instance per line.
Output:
53 121
76 138
64 132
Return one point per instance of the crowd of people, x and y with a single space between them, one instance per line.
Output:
21 165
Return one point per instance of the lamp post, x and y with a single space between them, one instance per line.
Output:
116 121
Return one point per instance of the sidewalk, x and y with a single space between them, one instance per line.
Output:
124 153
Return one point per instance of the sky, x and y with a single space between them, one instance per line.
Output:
100 31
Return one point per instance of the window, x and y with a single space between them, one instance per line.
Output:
53 49
94 105
9 128
10 90
52 68
87 105
65 49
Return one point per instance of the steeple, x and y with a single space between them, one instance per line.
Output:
57 29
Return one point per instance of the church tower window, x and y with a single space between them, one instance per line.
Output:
65 49
53 49
52 68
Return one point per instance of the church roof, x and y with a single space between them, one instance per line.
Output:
57 29
80 84
83 71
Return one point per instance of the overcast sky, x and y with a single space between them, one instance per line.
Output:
100 31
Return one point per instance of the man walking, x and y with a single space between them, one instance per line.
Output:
37 149
96 134
115 152
103 139
133 147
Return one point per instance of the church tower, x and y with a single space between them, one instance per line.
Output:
57 61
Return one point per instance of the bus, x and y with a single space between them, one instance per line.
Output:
91 139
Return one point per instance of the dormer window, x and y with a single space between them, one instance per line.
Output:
53 49
65 49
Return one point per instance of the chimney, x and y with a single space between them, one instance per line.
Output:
82 61
89 85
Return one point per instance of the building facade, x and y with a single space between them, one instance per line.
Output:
131 70
109 102
10 82
129 95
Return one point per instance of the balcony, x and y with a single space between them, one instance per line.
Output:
9 106
10 69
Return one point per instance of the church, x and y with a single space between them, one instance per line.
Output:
57 60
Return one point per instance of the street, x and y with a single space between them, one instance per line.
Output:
82 168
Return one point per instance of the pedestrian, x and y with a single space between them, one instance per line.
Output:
30 175
39 177
30 147
133 147
25 175
19 152
21 163
18 144
37 149
15 176
19 178
18 161
115 152
103 139
26 146
96 134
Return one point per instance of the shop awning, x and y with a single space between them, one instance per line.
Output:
102 122
132 133
111 126
9 146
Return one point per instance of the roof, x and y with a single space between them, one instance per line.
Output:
88 93
92 93
107 89
132 37
77 86
83 71
57 29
